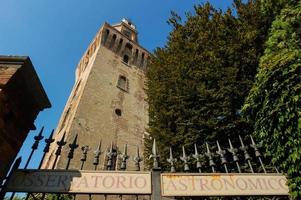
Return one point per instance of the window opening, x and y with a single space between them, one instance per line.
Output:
118 112
107 32
128 46
112 41
126 59
127 34
119 45
142 60
123 83
136 56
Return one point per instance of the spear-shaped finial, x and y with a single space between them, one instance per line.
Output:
97 153
246 154
60 144
110 156
222 154
83 158
210 157
124 158
37 139
48 141
197 157
185 159
137 159
155 156
172 161
35 145
257 153
72 147
234 151
58 151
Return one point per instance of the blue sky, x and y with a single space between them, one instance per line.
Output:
56 33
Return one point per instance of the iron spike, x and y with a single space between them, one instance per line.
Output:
48 141
97 153
72 147
154 149
222 153
110 156
234 151
210 157
172 161
155 156
197 156
37 139
246 154
124 158
137 159
58 151
257 153
185 159
83 159
35 145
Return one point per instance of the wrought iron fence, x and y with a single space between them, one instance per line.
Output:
219 159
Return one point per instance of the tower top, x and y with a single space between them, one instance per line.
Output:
127 28
129 22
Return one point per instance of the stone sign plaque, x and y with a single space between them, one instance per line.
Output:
175 184
75 181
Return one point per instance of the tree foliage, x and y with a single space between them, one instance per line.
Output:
274 103
197 83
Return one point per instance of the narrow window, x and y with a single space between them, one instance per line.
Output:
119 45
142 60
123 83
128 47
127 33
112 41
106 34
136 56
126 59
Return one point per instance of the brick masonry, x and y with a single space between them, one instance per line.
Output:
98 109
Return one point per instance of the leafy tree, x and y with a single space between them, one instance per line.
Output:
274 103
197 83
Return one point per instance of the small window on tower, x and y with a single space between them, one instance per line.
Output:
118 112
126 59
127 33
123 83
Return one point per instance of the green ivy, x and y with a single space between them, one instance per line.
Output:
274 103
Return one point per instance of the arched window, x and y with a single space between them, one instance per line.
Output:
119 45
128 46
113 41
126 59
106 35
136 56
142 60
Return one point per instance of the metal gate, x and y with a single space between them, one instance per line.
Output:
228 178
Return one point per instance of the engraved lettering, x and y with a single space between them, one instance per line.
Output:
203 184
217 184
140 184
108 182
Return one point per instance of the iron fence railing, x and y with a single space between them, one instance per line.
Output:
218 160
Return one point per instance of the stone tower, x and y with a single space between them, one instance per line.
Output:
107 104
